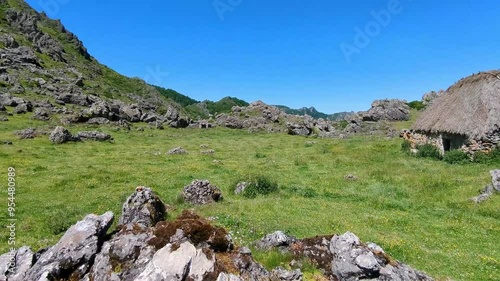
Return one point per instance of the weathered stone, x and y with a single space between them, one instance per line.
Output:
177 150
41 114
208 151
390 110
29 133
73 254
280 274
93 135
351 177
298 129
60 135
144 208
240 187
228 277
15 264
123 257
131 113
275 240
98 121
178 262
353 260
201 192
23 108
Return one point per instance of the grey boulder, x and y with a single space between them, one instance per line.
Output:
178 262
14 265
93 135
144 207
201 192
74 252
353 260
60 135
275 240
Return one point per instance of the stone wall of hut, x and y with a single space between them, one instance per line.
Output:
470 146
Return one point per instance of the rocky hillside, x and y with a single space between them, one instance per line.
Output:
48 67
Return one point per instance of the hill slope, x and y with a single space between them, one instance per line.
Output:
43 60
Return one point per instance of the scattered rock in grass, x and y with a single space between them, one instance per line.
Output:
94 135
353 260
140 129
23 108
4 119
208 152
276 239
41 114
60 135
240 187
217 162
490 189
201 192
29 133
310 143
144 208
351 177
7 142
204 146
98 121
177 151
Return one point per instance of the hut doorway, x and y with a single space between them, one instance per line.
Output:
446 144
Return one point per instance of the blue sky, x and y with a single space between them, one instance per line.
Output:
290 52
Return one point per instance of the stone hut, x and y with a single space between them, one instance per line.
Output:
466 116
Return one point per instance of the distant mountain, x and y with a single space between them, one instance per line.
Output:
311 111
339 116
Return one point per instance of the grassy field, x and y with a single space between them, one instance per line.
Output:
416 209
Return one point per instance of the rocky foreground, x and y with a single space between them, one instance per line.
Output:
146 247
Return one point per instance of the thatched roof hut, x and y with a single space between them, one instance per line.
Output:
470 108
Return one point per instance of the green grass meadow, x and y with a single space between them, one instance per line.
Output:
416 209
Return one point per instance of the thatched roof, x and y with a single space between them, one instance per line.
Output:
471 107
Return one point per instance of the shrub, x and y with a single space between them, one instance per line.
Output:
342 124
487 158
456 157
429 151
418 105
59 221
259 185
406 147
